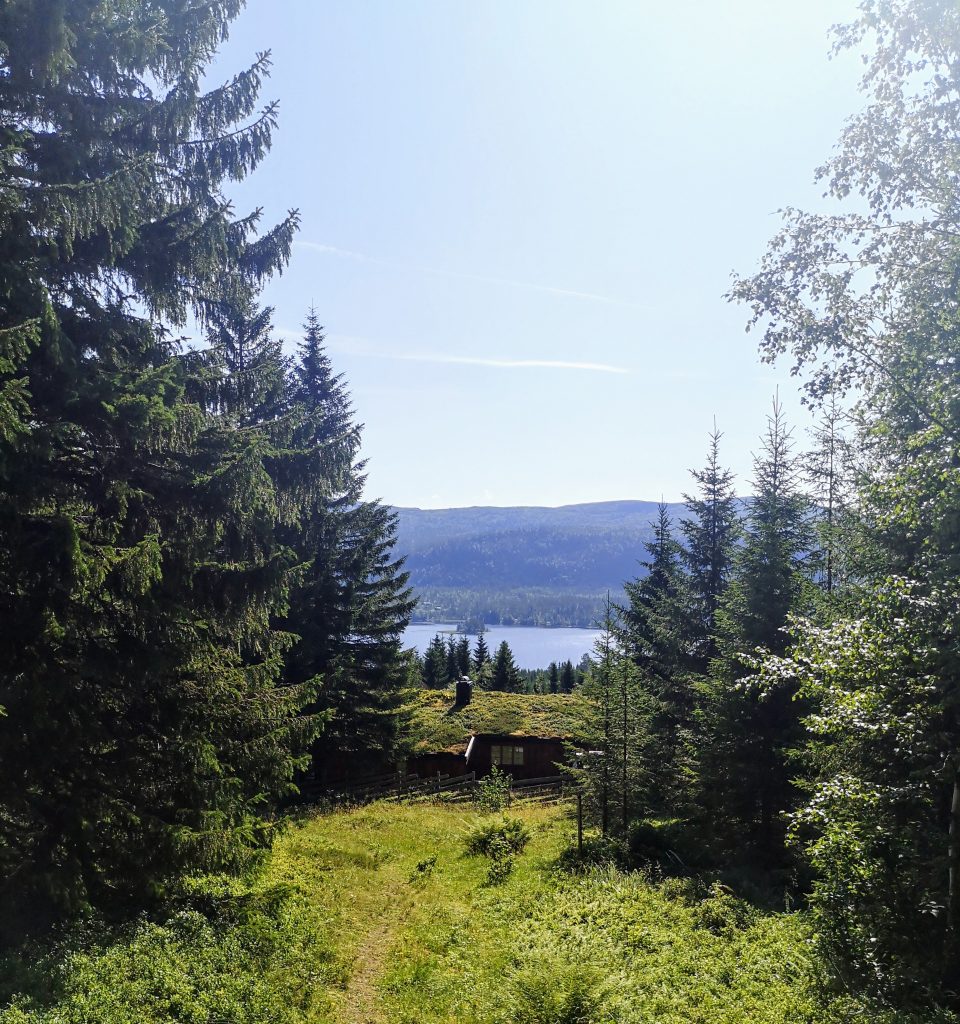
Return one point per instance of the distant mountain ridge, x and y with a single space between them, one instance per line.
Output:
525 564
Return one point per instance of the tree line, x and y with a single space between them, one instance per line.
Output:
445 662
197 604
781 690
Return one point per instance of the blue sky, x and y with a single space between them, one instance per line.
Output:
519 218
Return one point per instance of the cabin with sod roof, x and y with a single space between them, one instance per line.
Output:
523 735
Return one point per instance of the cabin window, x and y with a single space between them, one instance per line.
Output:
507 755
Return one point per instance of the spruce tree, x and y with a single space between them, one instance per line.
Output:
435 664
553 674
138 573
710 533
755 728
568 677
651 630
829 470
452 671
506 678
613 774
351 603
463 656
481 654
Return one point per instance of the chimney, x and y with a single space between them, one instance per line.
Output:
464 691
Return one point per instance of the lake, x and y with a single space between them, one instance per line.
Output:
532 646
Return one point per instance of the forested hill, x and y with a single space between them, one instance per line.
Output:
524 564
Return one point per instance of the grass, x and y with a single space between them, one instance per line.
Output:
438 725
381 914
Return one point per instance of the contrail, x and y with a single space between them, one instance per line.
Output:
334 250
510 364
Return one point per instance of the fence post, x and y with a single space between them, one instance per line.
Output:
579 823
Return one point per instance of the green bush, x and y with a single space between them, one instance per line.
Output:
553 991
493 792
722 913
598 851
491 837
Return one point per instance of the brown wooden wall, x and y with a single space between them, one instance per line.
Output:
542 756
443 762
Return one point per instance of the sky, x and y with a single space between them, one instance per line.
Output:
519 219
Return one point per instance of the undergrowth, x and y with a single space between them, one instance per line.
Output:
381 914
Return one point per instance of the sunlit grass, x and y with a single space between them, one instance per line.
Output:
382 914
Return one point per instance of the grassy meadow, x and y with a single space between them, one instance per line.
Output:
380 914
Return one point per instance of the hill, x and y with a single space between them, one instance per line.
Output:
524 565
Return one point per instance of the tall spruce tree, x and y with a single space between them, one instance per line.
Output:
481 653
137 566
829 470
506 678
755 728
553 674
652 632
710 532
568 677
463 655
435 664
453 660
352 602
613 774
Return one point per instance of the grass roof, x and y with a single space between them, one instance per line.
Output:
437 725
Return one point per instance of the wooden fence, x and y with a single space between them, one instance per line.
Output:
443 788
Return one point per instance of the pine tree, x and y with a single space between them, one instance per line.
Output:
651 623
711 533
452 671
138 571
828 468
506 678
463 656
614 773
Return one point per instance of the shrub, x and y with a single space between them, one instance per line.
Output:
553 991
722 913
493 792
491 837
598 851
670 843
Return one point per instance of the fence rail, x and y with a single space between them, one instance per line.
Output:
456 788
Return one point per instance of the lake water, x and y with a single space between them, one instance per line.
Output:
532 646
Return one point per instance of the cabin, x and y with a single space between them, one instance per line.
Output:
523 757
451 761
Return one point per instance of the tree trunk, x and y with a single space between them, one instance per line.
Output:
952 951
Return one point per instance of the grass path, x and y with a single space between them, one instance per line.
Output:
361 1002
422 938
406 909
